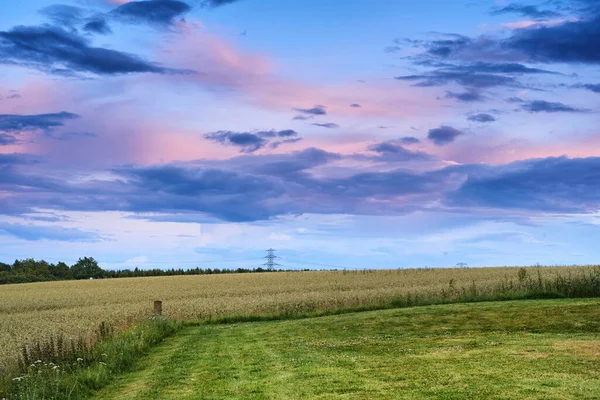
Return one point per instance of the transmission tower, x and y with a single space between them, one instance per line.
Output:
271 260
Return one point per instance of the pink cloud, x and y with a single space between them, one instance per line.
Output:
499 151
116 2
255 78
528 24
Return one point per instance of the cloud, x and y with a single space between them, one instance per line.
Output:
481 118
329 125
260 187
547 185
56 51
19 158
227 195
409 140
472 75
316 110
6 139
393 150
467 79
498 68
355 105
594 87
549 107
32 232
97 24
526 11
70 135
63 15
301 118
249 142
217 3
153 12
285 165
573 41
443 135
467 97
20 123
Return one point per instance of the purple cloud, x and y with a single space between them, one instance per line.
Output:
443 135
316 110
249 142
329 125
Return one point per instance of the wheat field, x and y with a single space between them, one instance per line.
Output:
31 311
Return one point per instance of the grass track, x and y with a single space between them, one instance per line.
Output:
547 349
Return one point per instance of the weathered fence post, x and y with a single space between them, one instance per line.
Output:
157 307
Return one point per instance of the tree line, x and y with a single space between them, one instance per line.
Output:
30 270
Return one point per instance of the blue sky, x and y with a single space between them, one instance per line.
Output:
165 133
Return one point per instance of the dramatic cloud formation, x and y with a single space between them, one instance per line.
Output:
443 135
259 187
549 107
147 76
482 117
54 50
249 142
154 12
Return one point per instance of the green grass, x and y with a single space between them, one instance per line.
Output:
537 349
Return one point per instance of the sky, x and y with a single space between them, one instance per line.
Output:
355 134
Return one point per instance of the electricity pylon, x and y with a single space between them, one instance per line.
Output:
271 260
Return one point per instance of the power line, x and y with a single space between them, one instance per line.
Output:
325 265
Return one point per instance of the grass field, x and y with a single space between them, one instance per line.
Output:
32 311
533 349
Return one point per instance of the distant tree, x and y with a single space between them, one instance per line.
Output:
85 268
61 271
5 267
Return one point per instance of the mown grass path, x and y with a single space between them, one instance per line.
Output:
547 349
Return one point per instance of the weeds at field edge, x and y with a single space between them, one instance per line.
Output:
86 364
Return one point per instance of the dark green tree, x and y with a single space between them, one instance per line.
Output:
86 268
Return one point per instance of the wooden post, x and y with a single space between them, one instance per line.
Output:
157 307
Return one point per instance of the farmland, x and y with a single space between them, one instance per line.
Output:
37 310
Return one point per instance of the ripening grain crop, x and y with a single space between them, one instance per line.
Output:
30 311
